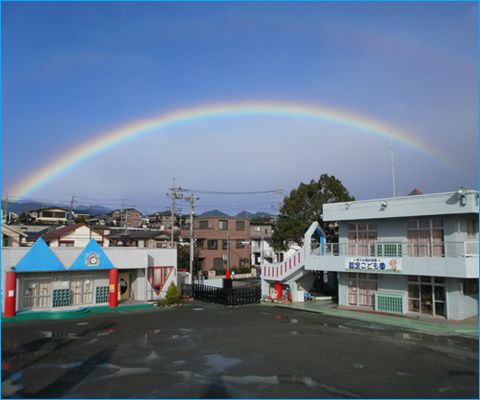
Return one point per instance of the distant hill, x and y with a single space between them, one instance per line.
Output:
22 207
258 214
214 213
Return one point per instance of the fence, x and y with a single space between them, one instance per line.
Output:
401 249
229 297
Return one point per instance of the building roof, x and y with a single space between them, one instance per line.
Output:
92 257
49 208
39 258
64 231
458 202
138 235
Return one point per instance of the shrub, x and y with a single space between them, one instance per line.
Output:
173 294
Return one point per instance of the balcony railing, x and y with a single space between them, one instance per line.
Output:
400 249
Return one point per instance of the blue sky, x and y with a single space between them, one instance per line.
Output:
74 70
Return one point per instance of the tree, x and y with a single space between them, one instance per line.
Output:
173 295
304 206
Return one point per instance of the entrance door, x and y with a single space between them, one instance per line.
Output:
426 299
123 286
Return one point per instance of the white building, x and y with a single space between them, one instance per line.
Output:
413 255
61 277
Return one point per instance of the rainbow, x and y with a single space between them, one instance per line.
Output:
107 140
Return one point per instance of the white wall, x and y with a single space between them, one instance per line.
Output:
460 306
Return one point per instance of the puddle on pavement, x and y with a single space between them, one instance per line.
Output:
198 309
9 387
410 336
152 356
59 335
287 379
219 363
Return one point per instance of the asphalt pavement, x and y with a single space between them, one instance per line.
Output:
206 351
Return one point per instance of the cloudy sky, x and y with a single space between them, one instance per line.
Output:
73 71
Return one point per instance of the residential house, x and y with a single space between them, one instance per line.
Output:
141 238
261 237
127 217
161 220
75 235
50 215
12 236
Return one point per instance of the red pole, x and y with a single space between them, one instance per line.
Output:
10 294
113 288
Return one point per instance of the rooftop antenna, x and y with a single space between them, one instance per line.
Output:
392 163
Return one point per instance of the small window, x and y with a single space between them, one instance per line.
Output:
470 287
224 244
472 228
223 224
200 243
212 244
218 263
240 225
257 228
240 244
203 224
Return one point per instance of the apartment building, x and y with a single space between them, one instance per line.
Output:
129 217
221 242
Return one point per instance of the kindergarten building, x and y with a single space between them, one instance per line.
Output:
415 255
50 278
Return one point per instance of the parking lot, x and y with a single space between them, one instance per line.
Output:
207 351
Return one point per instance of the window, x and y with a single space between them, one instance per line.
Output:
212 244
159 275
223 224
240 244
257 228
472 228
218 263
65 243
37 293
224 244
470 287
240 225
426 295
361 239
361 289
425 238
200 243
203 224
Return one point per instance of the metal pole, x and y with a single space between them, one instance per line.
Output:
228 251
191 199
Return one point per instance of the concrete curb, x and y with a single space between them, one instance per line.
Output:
429 327
74 313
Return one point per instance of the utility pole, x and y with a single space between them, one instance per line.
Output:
122 206
6 209
175 193
72 204
191 200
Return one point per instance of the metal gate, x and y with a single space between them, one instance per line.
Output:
229 297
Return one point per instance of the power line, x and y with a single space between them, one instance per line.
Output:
228 193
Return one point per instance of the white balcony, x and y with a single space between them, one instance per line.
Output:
449 259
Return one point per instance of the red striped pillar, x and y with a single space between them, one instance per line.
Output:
10 294
113 287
